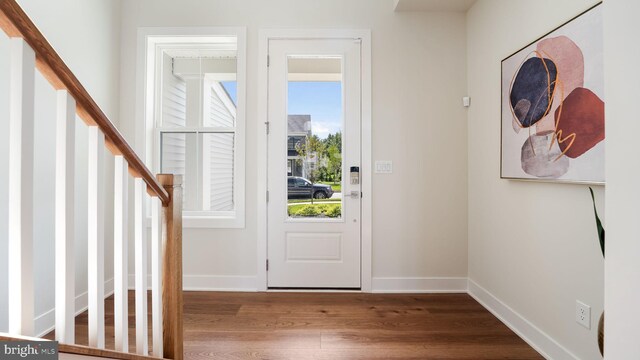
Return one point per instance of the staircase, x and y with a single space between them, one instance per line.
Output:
31 51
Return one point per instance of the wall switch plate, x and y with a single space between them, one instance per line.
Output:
466 101
583 314
384 167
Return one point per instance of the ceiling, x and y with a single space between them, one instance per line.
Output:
434 5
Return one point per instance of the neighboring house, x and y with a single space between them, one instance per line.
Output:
298 130
212 154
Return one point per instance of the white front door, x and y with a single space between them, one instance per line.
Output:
314 205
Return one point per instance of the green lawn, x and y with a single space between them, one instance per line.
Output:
337 187
315 210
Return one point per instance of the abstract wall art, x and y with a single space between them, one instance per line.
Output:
553 105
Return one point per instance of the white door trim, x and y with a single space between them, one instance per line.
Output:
365 171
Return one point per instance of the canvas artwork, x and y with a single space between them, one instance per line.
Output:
553 105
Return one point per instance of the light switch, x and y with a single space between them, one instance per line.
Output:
384 167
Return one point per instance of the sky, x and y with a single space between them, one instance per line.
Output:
320 99
232 90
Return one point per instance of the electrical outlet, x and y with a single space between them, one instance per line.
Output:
583 314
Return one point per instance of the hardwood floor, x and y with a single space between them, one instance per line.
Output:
336 326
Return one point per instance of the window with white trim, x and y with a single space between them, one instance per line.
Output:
199 127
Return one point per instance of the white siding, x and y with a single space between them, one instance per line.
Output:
174 114
218 150
220 147
174 97
219 109
173 153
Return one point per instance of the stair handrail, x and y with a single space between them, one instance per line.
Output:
15 23
165 189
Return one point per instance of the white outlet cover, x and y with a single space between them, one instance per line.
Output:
583 314
384 167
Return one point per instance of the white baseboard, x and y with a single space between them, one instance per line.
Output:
536 338
419 285
46 322
211 283
219 283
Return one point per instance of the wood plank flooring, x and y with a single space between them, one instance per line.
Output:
335 326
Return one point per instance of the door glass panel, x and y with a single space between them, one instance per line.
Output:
314 137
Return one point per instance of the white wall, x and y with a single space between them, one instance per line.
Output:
419 212
622 269
4 191
532 245
86 35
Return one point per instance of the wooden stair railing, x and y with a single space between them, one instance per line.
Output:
30 50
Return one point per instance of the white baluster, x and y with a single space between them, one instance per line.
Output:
95 225
21 148
156 276
64 218
120 254
141 253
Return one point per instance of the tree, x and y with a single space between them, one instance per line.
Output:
334 140
310 149
333 154
334 162
323 173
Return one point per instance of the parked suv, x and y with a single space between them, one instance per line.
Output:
301 187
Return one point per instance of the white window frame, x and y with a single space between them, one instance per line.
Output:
151 41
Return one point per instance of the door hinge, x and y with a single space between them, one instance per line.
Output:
267 264
268 60
267 197
267 126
